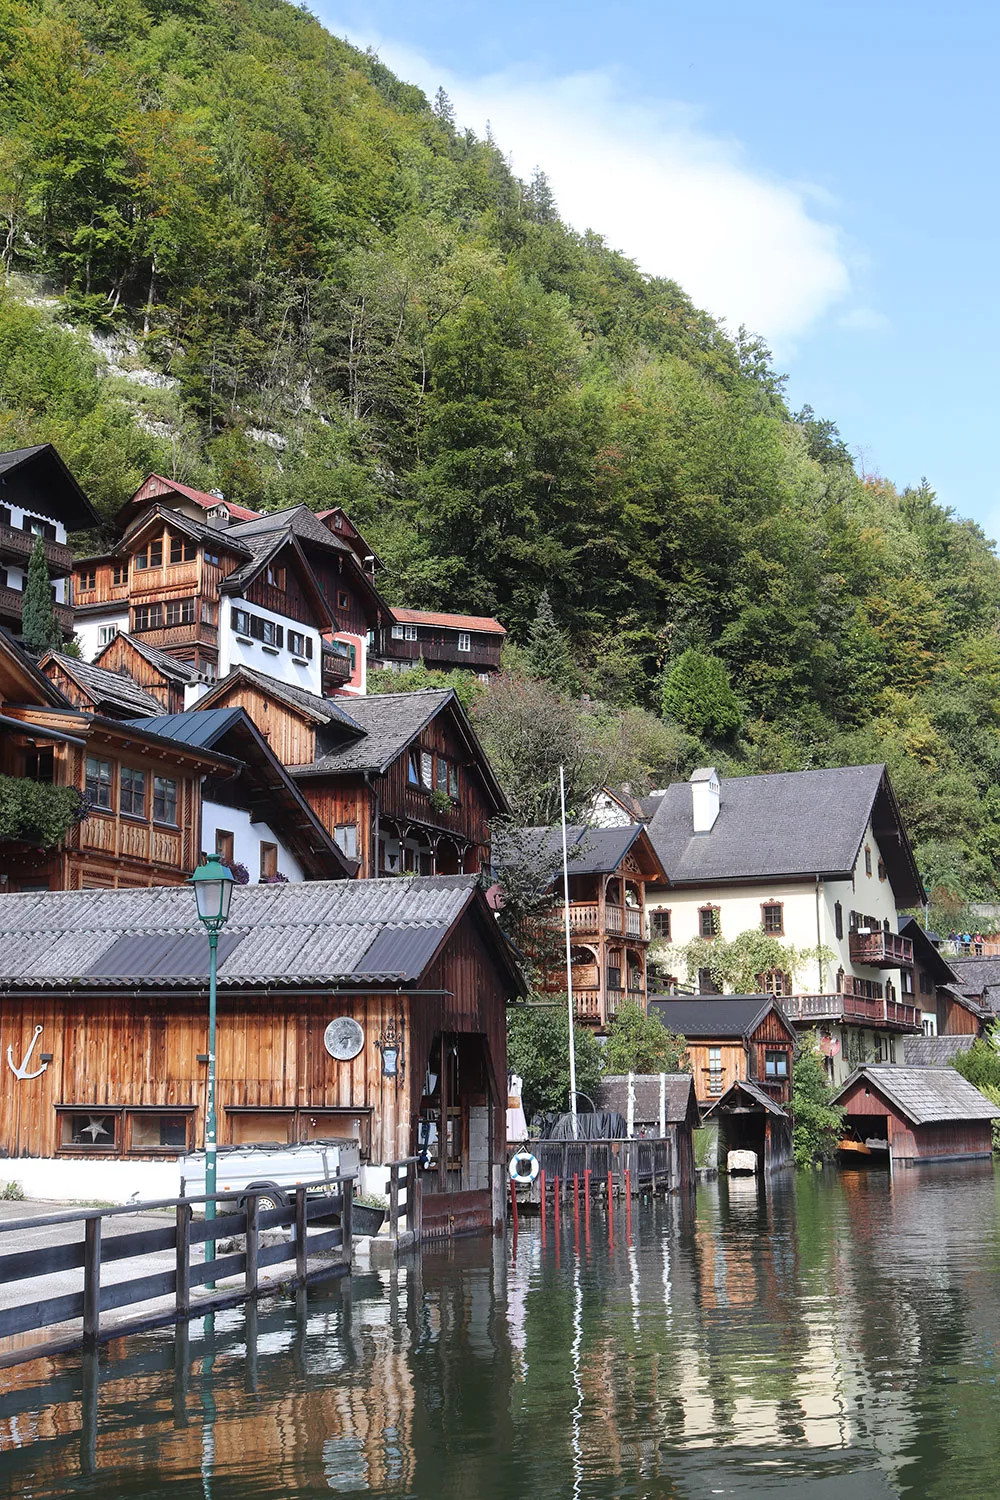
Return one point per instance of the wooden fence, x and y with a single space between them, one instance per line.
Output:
313 1204
405 1216
650 1161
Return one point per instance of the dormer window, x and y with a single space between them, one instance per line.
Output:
276 576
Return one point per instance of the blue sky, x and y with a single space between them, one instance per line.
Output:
824 173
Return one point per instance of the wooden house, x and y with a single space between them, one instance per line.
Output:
399 779
372 1010
925 1114
819 860
731 1039
933 984
38 498
445 641
96 689
749 1118
658 1105
609 869
175 684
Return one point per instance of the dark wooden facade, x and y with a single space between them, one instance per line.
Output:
871 1114
122 655
720 1059
444 641
748 1120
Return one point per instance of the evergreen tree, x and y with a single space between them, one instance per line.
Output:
547 654
443 107
697 692
540 201
39 630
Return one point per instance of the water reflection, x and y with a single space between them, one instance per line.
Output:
767 1339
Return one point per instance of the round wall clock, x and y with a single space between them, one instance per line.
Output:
343 1038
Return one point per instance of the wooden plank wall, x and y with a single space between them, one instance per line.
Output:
291 736
121 656
734 1067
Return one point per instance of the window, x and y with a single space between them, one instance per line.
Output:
40 764
119 574
838 919
4 515
772 916
881 869
775 1064
268 861
343 599
929 1025
427 769
151 556
715 1070
224 845
926 983
106 634
345 836
464 641
147 617
706 983
708 921
180 611
442 774
252 1127
92 1130
132 792
34 527
151 1130
868 859
397 632
300 644
212 559
239 619
410 632
413 768
88 579
275 576
182 549
774 982
165 800
98 782
659 924
453 781
266 631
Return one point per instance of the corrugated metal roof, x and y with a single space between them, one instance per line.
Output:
195 726
321 931
925 1096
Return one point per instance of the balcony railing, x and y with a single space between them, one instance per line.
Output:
587 1005
585 916
850 1008
881 950
12 604
18 544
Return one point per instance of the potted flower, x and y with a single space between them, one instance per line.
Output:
368 1213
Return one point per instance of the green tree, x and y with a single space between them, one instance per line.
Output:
698 694
547 654
39 630
640 1043
538 1051
816 1123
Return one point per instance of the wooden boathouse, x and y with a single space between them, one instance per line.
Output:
925 1114
366 1010
751 1120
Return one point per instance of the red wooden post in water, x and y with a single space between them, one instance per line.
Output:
611 1209
541 1187
628 1205
555 1205
576 1199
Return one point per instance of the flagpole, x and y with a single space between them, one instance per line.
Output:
569 964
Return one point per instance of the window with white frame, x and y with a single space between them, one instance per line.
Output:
410 632
464 641
106 634
397 632
345 836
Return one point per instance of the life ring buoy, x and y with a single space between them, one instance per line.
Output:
523 1167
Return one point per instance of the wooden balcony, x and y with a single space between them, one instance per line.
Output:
619 921
12 602
336 666
443 650
195 633
862 1009
881 950
18 546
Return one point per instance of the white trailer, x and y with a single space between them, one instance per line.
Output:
276 1171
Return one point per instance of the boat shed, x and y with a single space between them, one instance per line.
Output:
657 1105
925 1114
750 1120
367 1010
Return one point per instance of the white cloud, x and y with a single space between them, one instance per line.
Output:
682 202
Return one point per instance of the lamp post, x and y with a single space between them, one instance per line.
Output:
213 890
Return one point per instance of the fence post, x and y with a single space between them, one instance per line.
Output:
253 1243
347 1200
91 1282
182 1280
301 1248
394 1203
415 1214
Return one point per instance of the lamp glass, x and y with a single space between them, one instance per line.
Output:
390 1061
213 889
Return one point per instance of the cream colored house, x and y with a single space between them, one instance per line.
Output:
821 860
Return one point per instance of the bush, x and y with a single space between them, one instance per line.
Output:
817 1124
12 1192
640 1043
33 812
538 1051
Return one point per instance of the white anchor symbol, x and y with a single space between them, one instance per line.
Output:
22 1071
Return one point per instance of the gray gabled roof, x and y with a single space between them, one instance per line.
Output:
750 1091
298 519
592 851
325 932
788 824
215 538
322 710
924 1096
195 726
934 1051
170 666
697 1016
388 721
107 687
680 1103
974 976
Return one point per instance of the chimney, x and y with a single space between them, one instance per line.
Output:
704 798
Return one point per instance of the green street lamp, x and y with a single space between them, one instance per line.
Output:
213 890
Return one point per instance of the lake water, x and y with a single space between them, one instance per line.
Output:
824 1336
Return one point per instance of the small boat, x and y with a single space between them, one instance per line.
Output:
852 1151
742 1161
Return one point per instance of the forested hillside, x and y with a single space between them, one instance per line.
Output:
293 277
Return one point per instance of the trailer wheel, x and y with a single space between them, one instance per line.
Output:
268 1196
